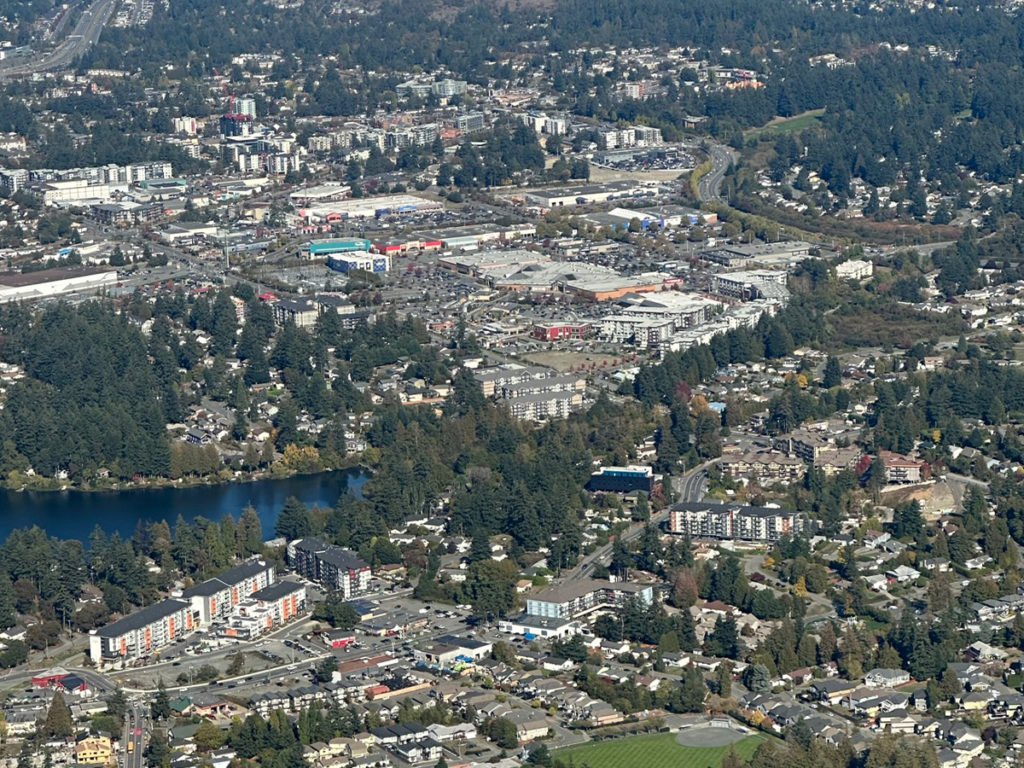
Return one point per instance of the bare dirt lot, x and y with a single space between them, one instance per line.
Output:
562 361
598 173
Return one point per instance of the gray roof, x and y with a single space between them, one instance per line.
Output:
228 578
142 618
342 558
277 590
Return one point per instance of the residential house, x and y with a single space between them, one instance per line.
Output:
886 678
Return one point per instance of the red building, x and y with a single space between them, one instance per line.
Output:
400 247
557 331
50 678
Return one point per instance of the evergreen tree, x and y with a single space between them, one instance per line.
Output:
8 612
480 548
160 707
251 538
294 522
724 638
59 724
833 376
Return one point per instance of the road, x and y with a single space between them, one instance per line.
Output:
134 734
709 188
85 35
690 488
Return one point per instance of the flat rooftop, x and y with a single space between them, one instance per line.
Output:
20 280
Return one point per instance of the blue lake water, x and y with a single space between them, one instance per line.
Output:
74 514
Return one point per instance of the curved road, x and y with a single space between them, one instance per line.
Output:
690 488
709 188
85 34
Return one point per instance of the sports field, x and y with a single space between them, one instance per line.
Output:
659 750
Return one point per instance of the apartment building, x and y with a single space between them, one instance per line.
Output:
903 469
298 311
764 468
219 597
622 479
140 633
266 609
93 750
577 597
751 285
563 330
533 393
855 269
704 520
804 445
332 566
470 122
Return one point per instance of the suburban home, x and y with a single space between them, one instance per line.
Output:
975 701
979 651
529 724
557 664
886 678
832 691
896 721
420 751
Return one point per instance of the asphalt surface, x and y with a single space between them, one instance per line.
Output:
85 34
709 188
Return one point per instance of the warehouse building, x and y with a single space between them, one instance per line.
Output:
359 260
368 208
748 286
49 283
320 249
557 197
399 246
783 254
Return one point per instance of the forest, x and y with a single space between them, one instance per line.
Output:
99 393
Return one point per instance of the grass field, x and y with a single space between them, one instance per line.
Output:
658 750
793 124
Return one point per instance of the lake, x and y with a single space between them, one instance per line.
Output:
74 514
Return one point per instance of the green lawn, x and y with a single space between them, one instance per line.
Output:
793 124
658 750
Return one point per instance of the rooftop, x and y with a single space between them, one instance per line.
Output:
142 618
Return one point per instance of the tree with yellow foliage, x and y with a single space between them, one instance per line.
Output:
302 458
800 588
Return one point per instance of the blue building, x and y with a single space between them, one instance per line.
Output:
367 262
622 480
324 248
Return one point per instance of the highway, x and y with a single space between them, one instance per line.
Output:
85 35
709 188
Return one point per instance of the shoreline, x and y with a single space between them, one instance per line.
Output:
162 484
